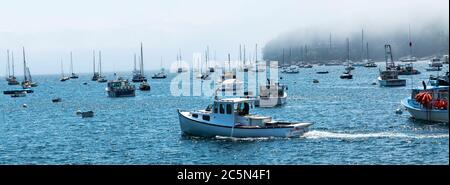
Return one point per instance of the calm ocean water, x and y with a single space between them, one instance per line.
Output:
355 123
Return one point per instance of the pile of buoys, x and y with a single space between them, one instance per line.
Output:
440 104
424 98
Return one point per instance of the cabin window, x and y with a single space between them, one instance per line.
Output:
215 108
205 117
195 115
222 110
229 109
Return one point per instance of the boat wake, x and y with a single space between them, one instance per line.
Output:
334 135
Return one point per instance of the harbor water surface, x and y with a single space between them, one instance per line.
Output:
355 123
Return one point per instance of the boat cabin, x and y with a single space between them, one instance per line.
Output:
389 75
231 112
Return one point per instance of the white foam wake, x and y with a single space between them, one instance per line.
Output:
324 134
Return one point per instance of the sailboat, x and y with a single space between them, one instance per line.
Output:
63 78
95 76
73 75
408 69
160 74
101 78
347 74
139 77
144 86
12 80
27 81
389 77
368 62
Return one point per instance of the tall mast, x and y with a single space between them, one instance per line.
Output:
367 48
290 55
240 53
100 63
142 61
7 65
24 66
93 57
256 53
134 69
12 60
244 54
71 63
283 56
229 62
348 50
362 44
62 69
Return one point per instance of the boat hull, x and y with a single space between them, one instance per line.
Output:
391 83
423 114
196 128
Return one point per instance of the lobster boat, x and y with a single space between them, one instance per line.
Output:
230 117
429 104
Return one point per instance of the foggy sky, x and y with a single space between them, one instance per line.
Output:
50 29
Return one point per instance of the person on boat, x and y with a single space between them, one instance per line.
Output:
424 85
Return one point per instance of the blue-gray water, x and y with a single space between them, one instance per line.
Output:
354 121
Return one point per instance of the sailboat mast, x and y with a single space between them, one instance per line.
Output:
283 56
93 57
12 60
8 65
71 63
62 70
244 55
134 69
256 53
348 50
100 63
367 50
24 65
142 61
240 53
362 44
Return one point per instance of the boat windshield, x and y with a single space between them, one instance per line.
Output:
243 108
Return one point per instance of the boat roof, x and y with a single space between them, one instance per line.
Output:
432 87
235 100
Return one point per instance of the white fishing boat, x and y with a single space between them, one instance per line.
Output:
231 118
389 77
161 74
429 104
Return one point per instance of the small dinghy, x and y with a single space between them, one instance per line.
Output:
87 114
322 72
54 100
145 86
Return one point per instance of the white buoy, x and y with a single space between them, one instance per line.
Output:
398 111
24 105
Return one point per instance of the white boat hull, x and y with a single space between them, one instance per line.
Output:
272 101
423 114
197 128
391 83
